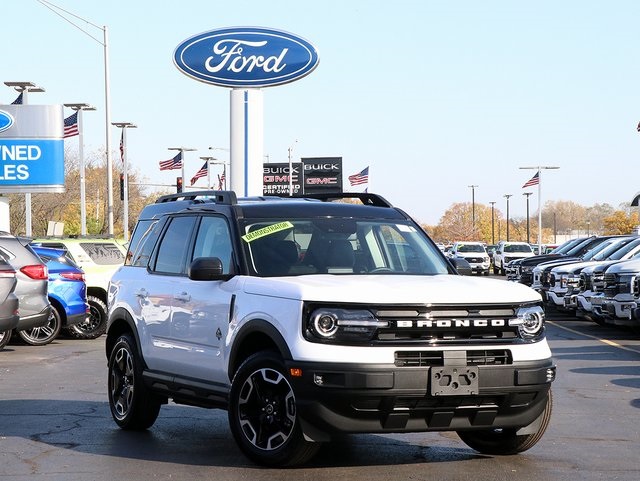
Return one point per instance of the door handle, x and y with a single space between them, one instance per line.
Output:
142 292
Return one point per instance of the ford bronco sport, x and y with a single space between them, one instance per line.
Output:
307 317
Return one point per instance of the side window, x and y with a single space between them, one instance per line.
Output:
172 252
214 240
145 244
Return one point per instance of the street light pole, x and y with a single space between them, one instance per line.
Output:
493 236
80 107
506 196
25 88
182 151
473 207
125 172
527 194
539 168
65 14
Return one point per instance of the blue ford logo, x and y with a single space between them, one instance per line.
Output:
246 57
6 120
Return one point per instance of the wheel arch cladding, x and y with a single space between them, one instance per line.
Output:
257 335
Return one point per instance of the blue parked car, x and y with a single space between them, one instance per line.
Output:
67 294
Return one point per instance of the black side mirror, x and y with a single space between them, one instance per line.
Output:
207 269
462 266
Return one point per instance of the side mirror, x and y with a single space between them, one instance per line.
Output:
207 269
462 266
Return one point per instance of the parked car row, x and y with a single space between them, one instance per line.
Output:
53 284
595 278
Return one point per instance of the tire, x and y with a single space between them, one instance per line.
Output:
506 441
96 323
5 337
263 414
43 335
132 405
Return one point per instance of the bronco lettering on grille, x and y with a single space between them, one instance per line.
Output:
455 323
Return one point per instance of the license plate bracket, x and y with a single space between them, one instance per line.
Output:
454 381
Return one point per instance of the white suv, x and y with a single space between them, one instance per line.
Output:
475 254
509 251
305 318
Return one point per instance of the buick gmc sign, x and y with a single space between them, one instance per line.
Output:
246 57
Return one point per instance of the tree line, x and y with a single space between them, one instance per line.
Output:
558 218
65 207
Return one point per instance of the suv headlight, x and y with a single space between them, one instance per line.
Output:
338 325
530 321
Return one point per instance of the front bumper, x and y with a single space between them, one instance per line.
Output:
362 398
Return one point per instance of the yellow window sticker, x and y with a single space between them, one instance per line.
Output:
270 229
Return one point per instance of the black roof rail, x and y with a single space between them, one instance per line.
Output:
365 197
227 197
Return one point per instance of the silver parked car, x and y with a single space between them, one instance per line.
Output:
32 282
8 302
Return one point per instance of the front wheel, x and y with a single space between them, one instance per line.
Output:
263 416
132 405
5 337
40 336
507 441
96 323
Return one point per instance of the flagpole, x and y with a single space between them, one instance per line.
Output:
125 172
539 168
182 160
79 107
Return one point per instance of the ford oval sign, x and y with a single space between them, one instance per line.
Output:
6 120
246 57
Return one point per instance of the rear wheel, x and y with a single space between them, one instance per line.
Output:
96 323
507 441
5 336
132 405
263 414
40 336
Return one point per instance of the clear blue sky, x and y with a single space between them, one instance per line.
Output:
433 96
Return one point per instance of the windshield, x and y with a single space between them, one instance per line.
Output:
471 248
610 248
517 248
339 246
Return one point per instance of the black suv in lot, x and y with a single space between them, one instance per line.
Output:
306 318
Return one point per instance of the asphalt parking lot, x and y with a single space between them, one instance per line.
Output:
55 425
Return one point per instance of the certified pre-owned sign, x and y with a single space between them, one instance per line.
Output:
246 57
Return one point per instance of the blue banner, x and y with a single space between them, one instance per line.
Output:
28 162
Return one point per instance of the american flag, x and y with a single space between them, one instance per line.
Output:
361 177
535 180
201 173
18 100
172 164
122 146
71 125
222 178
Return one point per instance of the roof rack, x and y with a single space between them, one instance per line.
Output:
227 197
365 197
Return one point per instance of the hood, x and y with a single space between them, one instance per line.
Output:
535 260
392 289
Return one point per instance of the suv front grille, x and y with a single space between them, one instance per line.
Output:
446 324
492 357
